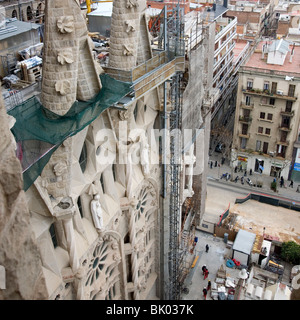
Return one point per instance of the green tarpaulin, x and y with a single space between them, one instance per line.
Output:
39 132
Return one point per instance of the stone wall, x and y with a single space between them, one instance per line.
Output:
18 251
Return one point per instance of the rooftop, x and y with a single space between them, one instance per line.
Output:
240 45
244 241
14 27
256 61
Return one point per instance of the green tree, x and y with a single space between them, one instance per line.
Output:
290 252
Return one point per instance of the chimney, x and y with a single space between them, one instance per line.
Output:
214 6
225 3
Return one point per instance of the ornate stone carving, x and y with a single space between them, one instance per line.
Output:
131 3
59 169
65 24
65 56
127 50
129 26
123 115
63 87
97 212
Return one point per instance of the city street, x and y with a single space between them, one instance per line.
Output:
220 195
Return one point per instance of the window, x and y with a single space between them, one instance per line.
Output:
291 90
270 116
83 158
102 183
283 136
285 122
266 85
29 13
272 101
53 235
248 100
244 129
268 131
258 145
260 130
265 147
243 143
14 14
249 84
274 87
80 207
262 115
288 106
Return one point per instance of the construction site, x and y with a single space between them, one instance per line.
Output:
100 206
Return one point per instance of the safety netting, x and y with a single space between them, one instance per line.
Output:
39 131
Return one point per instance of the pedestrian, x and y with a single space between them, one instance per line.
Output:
291 184
281 181
250 172
216 163
203 269
204 293
235 169
208 285
211 164
206 273
206 248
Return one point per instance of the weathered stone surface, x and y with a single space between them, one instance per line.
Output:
18 250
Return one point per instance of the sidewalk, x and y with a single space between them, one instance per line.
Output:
215 173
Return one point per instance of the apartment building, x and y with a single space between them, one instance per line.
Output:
253 18
225 33
267 110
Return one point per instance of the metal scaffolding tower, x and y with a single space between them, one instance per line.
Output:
171 39
175 203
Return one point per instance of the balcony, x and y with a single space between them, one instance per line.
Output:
285 128
267 93
287 113
247 106
246 119
283 143
244 135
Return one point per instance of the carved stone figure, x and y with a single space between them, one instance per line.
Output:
145 155
97 212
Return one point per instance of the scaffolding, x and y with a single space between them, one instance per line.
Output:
175 206
170 38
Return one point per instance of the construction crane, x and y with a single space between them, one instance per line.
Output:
89 2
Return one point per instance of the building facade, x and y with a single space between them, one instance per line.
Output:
267 111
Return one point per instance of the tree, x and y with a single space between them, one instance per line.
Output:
290 252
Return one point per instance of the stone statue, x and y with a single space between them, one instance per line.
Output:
145 155
97 212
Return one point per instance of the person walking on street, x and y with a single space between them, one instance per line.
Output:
206 273
291 184
204 293
281 181
206 248
208 285
203 269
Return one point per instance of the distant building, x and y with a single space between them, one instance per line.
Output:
15 36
